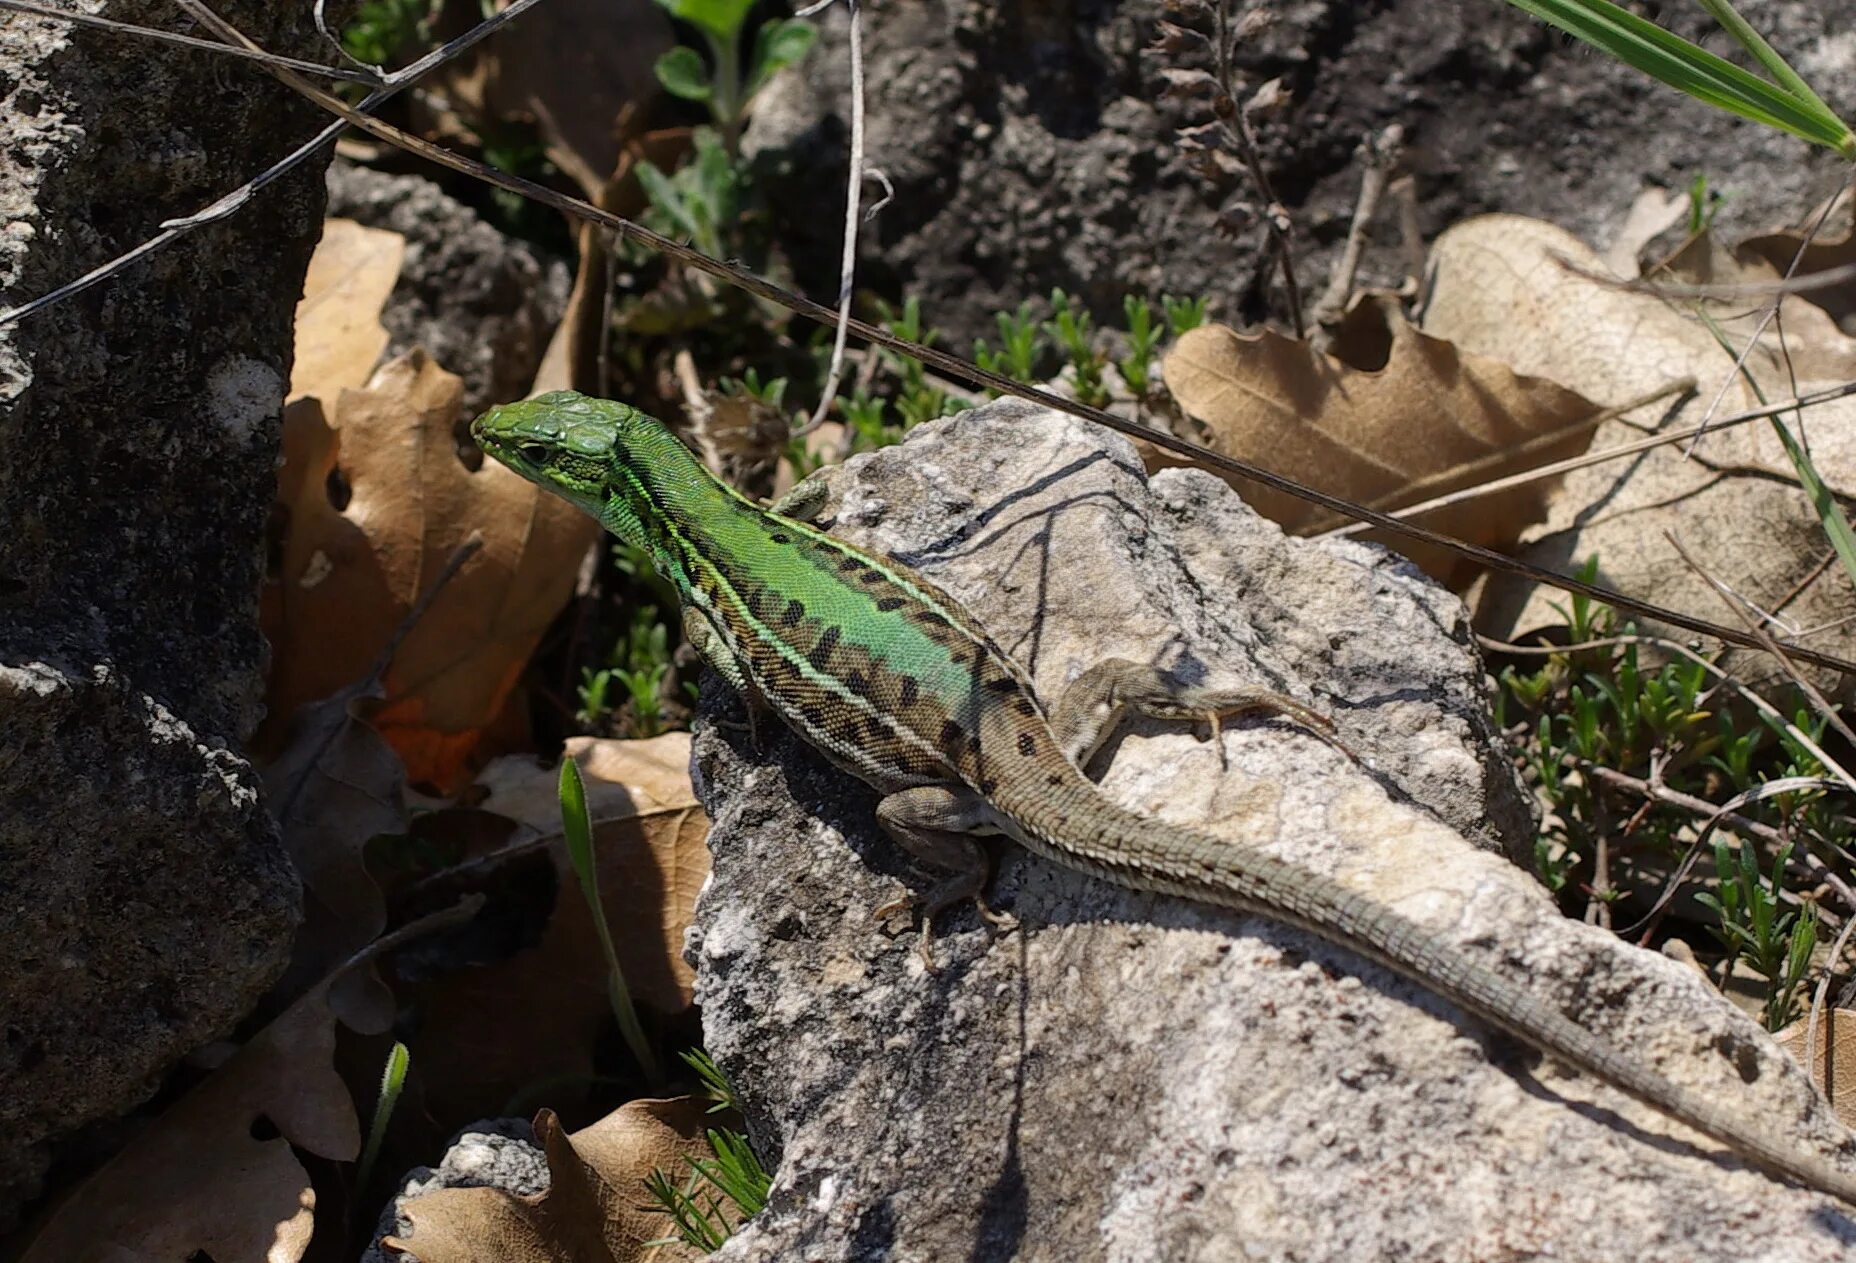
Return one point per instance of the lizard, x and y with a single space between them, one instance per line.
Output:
892 680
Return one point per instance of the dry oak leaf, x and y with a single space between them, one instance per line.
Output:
595 1210
1390 417
651 856
1533 294
1833 1062
198 1183
339 337
378 497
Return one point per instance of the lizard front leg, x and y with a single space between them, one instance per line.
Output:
713 650
1100 697
939 825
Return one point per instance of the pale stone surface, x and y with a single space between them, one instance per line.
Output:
1136 1077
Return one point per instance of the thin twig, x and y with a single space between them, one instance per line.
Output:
1738 604
1802 860
1234 120
1380 154
1759 330
853 196
190 41
174 229
957 367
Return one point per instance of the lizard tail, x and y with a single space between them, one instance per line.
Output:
1121 846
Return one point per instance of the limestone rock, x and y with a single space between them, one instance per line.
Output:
1129 1076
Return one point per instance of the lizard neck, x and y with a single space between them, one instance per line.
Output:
689 522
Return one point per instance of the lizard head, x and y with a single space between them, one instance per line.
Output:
608 458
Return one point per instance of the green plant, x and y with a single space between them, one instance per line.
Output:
1183 313
725 85
1069 328
715 1084
749 385
392 1081
1021 339
577 830
1143 339
381 28
698 1208
701 200
1775 944
641 660
1704 203
1784 101
1628 756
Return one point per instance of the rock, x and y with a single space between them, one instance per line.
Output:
494 1153
145 902
483 304
1128 1076
1031 146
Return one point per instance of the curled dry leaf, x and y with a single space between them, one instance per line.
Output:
198 1182
1534 295
378 497
339 337
595 1209
1391 417
1833 1062
1828 250
549 1002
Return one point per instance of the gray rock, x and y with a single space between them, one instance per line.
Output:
494 1153
145 901
483 304
1030 145
1136 1077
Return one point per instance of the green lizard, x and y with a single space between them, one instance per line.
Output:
890 679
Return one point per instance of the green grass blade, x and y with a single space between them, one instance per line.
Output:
1765 54
1690 68
577 828
392 1080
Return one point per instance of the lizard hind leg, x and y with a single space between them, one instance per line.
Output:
1097 700
939 825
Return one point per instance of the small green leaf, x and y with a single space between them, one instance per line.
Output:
720 18
682 73
777 46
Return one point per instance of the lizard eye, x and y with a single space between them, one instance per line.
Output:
534 453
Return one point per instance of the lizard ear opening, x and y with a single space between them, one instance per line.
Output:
534 453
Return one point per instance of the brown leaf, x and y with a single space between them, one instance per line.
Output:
1832 1063
1535 296
403 501
651 855
1835 248
336 784
595 1210
339 337
198 1182
1393 417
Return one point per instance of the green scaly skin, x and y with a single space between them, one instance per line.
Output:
892 680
